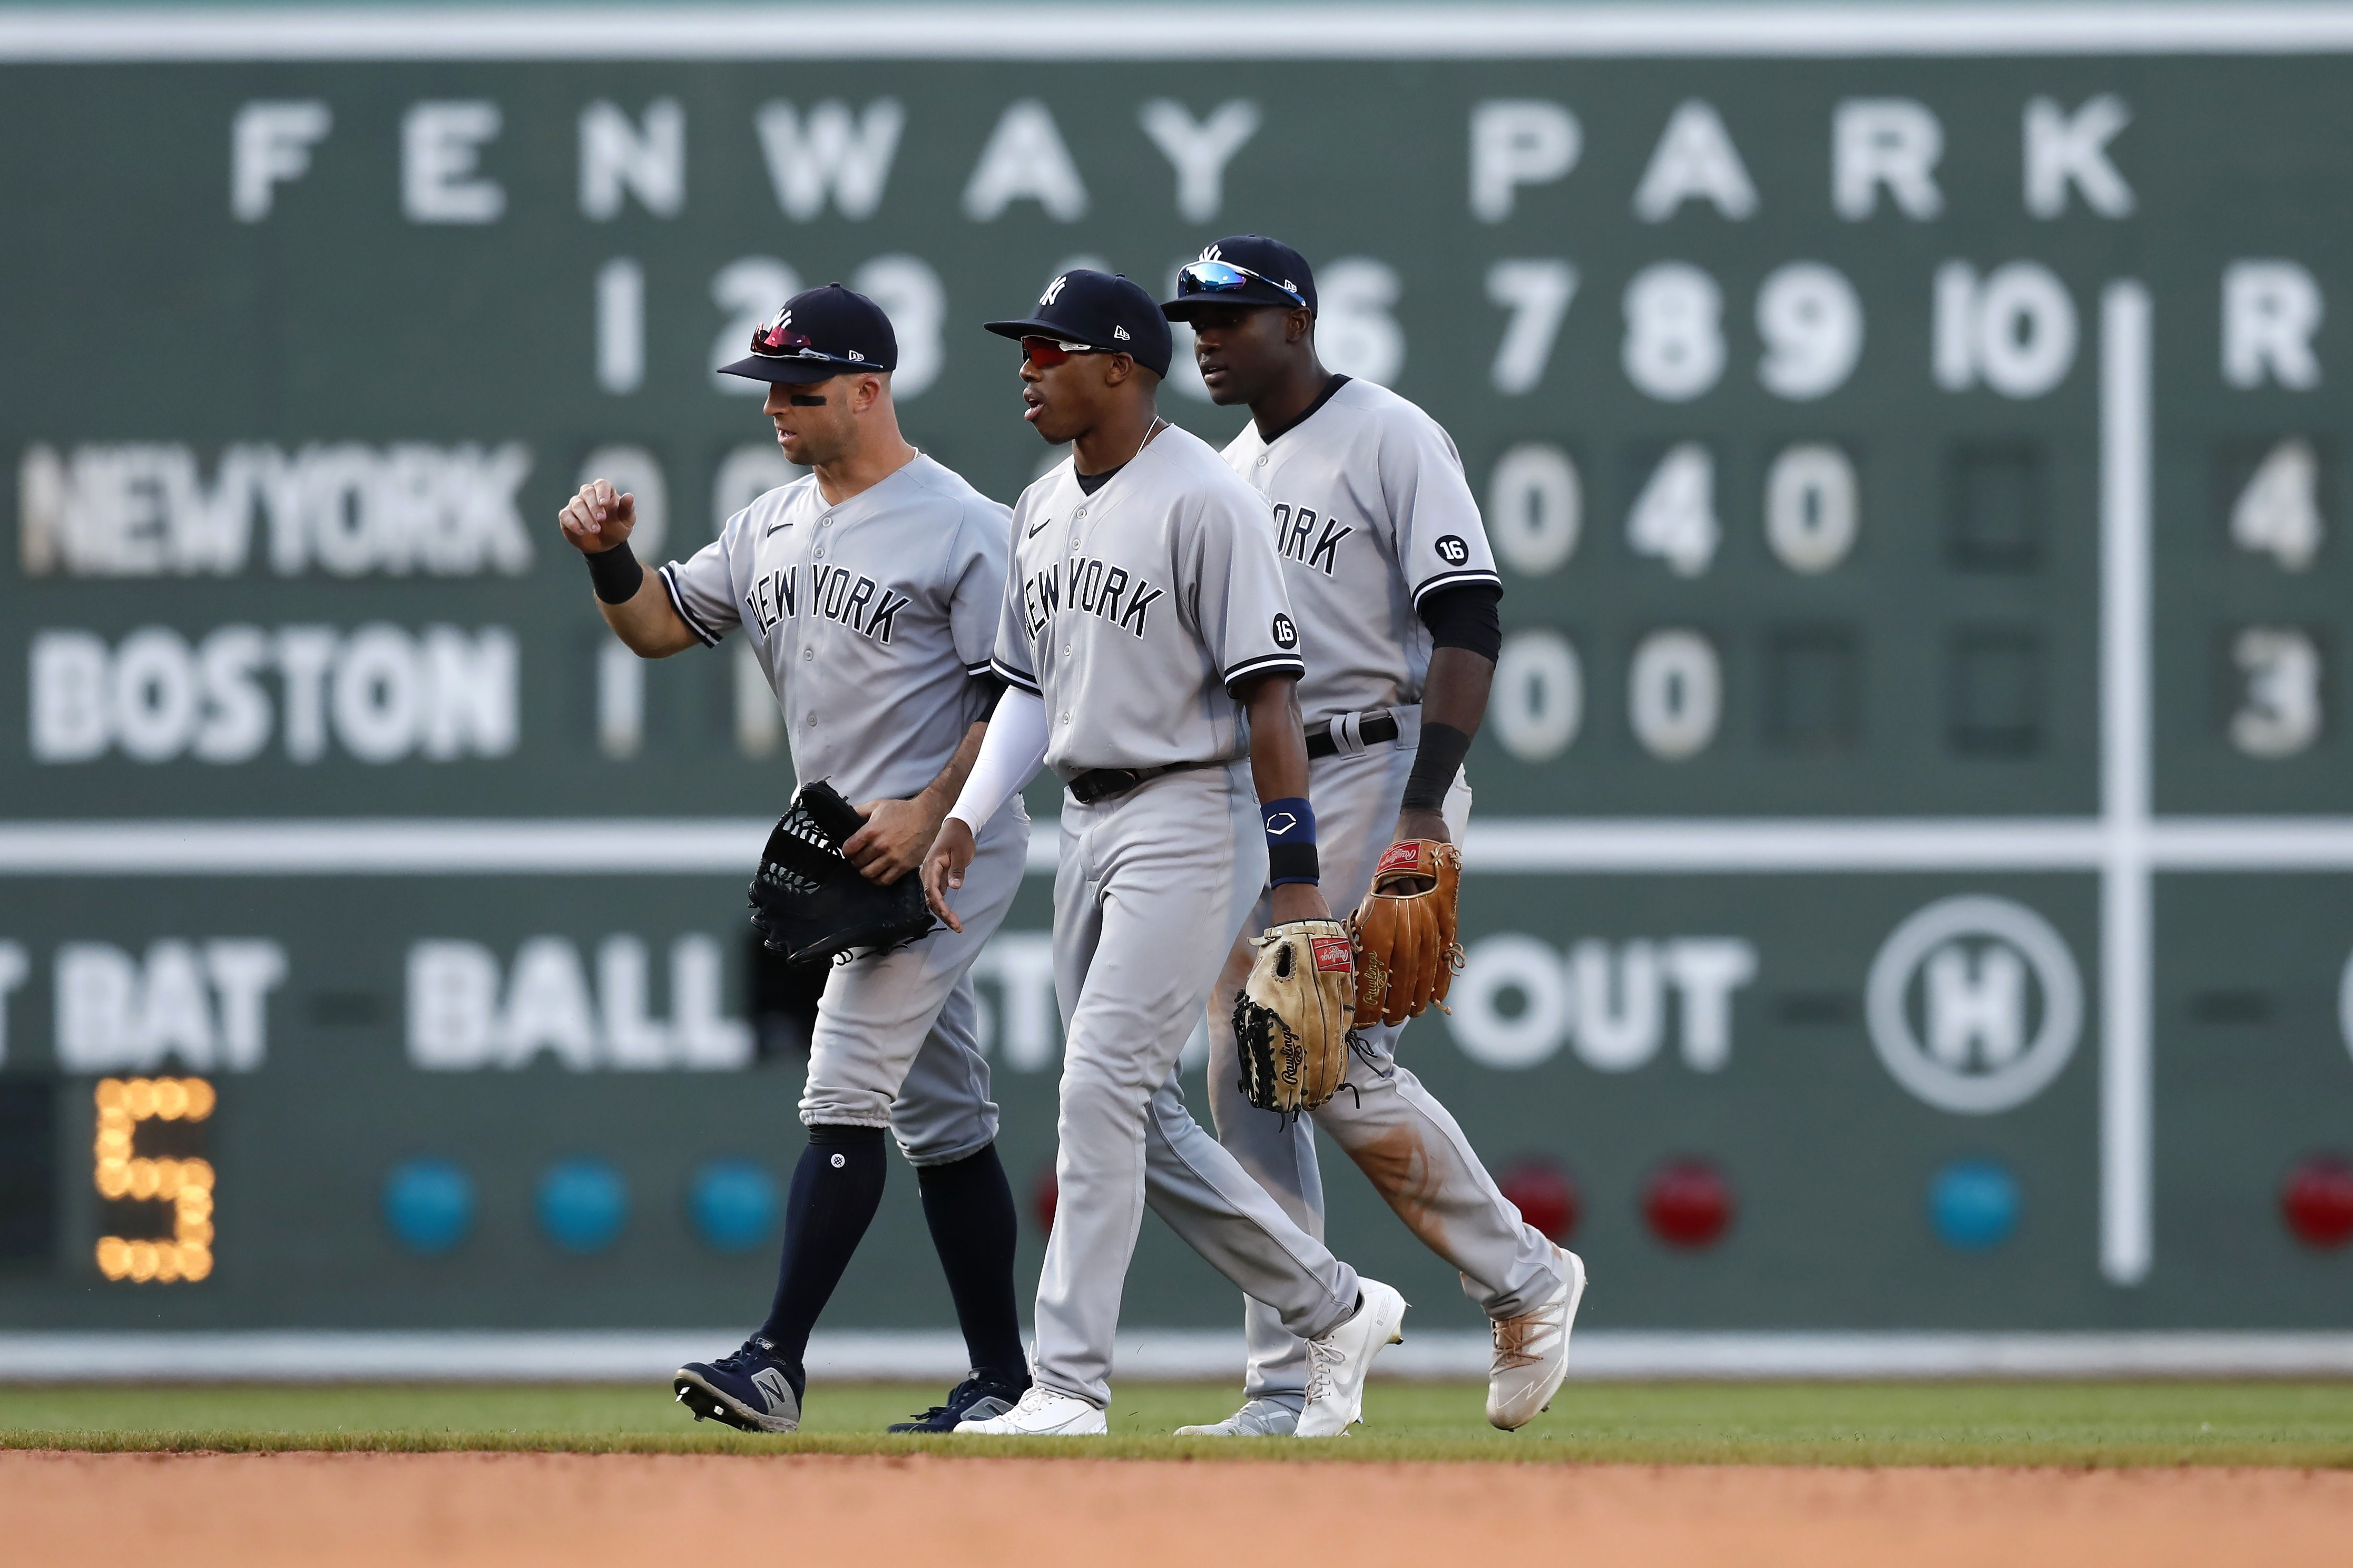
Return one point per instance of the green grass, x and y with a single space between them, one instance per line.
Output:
2103 1423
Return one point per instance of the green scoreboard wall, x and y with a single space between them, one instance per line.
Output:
1913 868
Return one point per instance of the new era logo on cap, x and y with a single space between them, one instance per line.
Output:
1119 333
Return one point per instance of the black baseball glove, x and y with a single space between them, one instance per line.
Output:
811 904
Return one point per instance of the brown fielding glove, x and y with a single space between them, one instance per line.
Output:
1291 1021
1407 956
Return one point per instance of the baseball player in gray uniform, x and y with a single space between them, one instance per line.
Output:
1149 655
871 589
1394 591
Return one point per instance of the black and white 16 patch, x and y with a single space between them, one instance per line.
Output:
1286 636
1451 549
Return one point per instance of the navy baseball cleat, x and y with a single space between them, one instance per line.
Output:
977 1398
750 1390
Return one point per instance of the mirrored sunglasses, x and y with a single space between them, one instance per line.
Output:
1196 277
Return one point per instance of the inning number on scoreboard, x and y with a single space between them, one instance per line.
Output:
150 1168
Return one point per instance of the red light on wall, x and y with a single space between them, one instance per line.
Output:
1545 1195
1688 1203
2316 1201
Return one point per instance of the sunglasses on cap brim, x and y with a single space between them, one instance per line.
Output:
1199 279
1047 353
776 340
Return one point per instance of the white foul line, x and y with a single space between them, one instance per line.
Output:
2128 956
1164 32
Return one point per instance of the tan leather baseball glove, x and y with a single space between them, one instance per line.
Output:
1406 955
1290 1020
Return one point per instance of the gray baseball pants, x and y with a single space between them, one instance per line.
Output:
1407 1144
1152 888
894 1044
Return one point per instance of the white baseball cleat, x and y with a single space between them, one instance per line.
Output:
1339 1361
1042 1413
1259 1418
1531 1352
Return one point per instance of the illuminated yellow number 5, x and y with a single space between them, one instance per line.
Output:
123 1173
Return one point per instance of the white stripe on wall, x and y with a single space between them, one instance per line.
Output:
1166 32
730 845
938 1355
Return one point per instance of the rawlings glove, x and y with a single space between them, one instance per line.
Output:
811 904
1290 1020
1407 956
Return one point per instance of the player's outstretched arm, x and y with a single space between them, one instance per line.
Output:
1279 767
597 522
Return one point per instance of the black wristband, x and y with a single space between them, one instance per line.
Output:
616 574
1292 863
1435 763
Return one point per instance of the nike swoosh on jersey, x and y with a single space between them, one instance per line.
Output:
773 527
1042 522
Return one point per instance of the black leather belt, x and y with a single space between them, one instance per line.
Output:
1105 784
1375 730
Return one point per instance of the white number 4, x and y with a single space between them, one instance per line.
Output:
1674 517
2278 515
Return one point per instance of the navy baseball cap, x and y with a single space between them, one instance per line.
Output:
1243 270
821 333
1101 310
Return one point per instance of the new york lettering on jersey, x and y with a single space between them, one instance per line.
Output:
1371 515
864 605
869 619
1096 588
1133 612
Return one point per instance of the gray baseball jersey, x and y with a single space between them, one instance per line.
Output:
871 619
1135 611
1372 515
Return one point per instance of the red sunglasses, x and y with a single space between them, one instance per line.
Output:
1048 353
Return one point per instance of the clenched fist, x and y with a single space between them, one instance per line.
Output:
597 518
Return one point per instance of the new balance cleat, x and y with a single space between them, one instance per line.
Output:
751 1390
975 1398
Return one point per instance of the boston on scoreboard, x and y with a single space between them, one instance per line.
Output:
1909 875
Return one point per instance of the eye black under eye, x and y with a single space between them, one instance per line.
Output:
801 401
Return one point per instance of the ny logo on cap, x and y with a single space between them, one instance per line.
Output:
1053 289
1213 253
780 334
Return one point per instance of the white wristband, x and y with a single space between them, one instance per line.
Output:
1010 753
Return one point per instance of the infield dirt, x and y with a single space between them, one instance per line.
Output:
513 1510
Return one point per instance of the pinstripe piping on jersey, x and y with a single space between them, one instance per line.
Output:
1013 676
1445 580
1263 665
679 604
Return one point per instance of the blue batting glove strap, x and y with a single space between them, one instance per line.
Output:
1290 820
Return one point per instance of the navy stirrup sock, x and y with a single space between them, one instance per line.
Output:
968 1205
837 1187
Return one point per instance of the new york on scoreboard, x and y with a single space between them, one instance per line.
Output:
1910 869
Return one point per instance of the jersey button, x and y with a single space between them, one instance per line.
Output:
808 653
1262 461
820 553
826 520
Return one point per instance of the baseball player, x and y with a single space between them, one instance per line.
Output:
870 590
1145 620
1394 592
